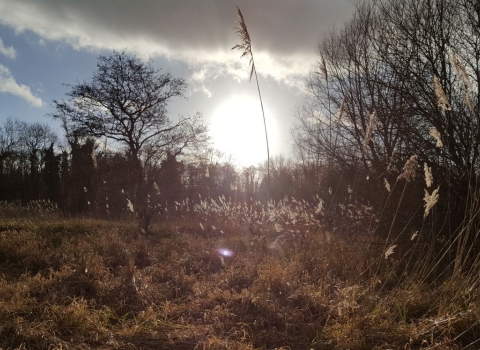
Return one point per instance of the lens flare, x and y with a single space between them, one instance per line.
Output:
225 252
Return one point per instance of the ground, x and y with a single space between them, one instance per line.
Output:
78 283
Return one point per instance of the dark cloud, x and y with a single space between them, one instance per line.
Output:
282 27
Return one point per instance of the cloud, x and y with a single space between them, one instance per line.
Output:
9 85
7 51
198 83
284 32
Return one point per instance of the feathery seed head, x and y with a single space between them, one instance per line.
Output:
469 103
390 251
442 98
430 201
460 70
130 206
428 175
409 169
391 166
437 136
323 66
387 185
246 44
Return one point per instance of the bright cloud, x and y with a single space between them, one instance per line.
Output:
9 85
7 51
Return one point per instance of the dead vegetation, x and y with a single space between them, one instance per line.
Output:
81 284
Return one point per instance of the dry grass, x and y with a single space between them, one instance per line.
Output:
81 284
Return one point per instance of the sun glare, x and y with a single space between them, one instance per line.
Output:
237 130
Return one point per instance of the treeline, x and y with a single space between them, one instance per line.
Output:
29 165
397 85
88 178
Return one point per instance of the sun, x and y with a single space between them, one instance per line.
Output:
238 131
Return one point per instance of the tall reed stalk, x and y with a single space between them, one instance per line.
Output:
246 48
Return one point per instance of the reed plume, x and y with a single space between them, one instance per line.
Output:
428 175
369 130
442 98
437 136
430 201
409 169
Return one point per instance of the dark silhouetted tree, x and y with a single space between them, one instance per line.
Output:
170 182
34 139
9 148
82 175
51 174
126 100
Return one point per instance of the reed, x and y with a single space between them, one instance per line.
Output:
246 48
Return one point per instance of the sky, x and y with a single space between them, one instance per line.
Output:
46 45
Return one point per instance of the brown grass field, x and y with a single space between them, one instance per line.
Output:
79 283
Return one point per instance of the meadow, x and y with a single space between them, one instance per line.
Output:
355 244
224 275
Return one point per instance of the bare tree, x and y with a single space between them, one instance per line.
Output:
126 101
393 59
9 144
9 139
352 116
401 79
34 140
